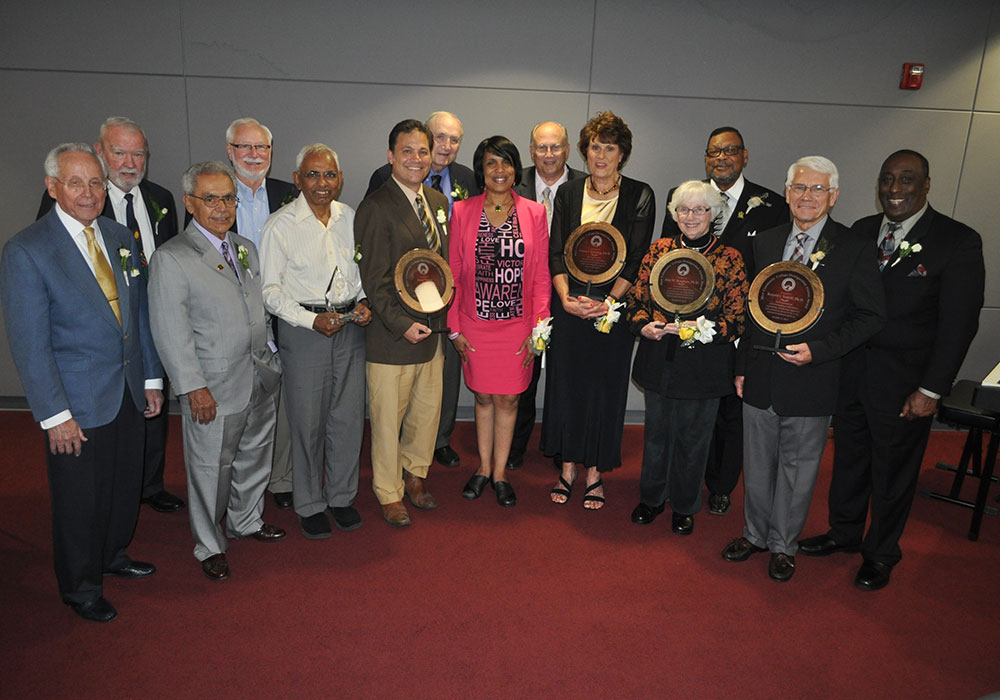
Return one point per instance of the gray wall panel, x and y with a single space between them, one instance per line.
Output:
988 96
978 194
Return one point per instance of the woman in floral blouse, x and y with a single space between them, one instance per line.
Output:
684 368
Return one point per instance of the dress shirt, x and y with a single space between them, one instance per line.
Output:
733 194
812 235
446 186
298 258
252 211
905 227
540 185
217 244
75 229
411 196
118 203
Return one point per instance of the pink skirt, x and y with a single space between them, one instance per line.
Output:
494 368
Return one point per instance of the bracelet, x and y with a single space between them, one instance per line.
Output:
452 336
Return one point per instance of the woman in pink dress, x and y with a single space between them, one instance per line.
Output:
498 252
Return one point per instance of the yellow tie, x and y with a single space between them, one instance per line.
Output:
105 277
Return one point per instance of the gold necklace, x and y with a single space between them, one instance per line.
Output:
498 208
610 189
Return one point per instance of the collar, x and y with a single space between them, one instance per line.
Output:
212 238
302 211
244 192
411 196
735 192
906 225
74 227
118 197
540 184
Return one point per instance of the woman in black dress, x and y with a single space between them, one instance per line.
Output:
587 371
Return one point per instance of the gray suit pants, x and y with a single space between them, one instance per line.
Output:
781 456
323 390
228 463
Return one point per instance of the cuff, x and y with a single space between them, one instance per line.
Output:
55 420
927 392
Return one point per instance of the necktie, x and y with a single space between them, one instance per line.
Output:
133 226
727 211
888 246
547 202
433 242
799 253
436 183
229 259
102 270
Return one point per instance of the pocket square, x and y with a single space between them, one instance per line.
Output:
918 271
751 234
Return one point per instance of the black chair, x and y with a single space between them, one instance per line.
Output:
957 409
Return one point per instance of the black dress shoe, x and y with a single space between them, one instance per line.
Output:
316 526
515 461
134 569
164 502
346 518
99 610
505 493
268 533
740 549
682 524
447 457
781 566
216 567
283 499
644 515
873 575
822 545
718 503
474 486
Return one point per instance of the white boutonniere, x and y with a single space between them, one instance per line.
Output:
125 260
822 248
701 329
540 335
757 201
243 255
459 192
905 249
604 323
442 219
357 252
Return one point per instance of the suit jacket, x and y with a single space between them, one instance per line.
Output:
933 299
386 227
536 289
69 349
277 192
156 198
634 217
746 221
853 311
527 186
211 330
458 172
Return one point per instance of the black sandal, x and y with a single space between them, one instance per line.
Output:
593 499
565 490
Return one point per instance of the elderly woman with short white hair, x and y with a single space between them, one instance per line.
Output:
684 368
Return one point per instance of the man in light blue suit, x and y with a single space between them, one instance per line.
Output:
74 304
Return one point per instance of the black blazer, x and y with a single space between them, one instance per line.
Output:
634 217
527 186
854 310
156 198
933 299
743 225
458 172
279 193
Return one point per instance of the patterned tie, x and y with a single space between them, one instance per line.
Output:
436 183
133 226
547 203
799 253
229 260
102 270
888 246
723 218
430 231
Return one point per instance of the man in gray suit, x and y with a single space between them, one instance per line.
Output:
212 333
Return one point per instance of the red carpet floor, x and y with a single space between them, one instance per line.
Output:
475 601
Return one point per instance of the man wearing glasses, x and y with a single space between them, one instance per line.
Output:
313 286
209 324
549 152
148 211
748 208
789 396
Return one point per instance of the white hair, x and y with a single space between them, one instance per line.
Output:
189 181
695 192
316 148
817 163
123 122
245 121
435 115
52 159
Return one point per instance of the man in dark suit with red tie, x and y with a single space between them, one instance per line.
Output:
933 275
147 210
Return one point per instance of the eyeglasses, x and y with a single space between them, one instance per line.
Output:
554 150
77 186
214 200
315 175
247 147
815 189
728 150
119 153
697 211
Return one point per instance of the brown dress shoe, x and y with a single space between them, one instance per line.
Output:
395 514
268 533
419 496
216 567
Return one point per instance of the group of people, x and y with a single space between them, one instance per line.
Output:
277 310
